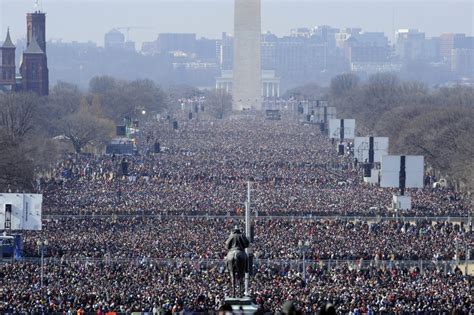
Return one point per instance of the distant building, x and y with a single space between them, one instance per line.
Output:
34 67
226 52
36 28
344 34
150 48
296 55
449 41
363 53
431 49
129 45
410 44
268 52
169 42
270 83
370 67
34 73
114 40
462 61
371 39
7 65
305 53
206 50
456 50
195 65
300 32
182 44
367 47
326 34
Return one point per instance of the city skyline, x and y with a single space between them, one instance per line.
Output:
431 17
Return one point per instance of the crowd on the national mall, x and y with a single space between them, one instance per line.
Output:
146 233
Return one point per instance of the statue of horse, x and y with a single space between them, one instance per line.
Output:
237 260
236 263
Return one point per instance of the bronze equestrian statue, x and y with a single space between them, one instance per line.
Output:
237 260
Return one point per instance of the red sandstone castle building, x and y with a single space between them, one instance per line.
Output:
33 74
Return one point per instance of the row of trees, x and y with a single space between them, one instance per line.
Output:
31 127
24 149
217 103
435 123
29 124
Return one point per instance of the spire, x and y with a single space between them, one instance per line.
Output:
33 47
8 41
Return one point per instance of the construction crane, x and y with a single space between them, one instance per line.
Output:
128 28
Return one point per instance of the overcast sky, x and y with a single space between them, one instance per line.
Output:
83 20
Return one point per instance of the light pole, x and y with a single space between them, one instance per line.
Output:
247 233
41 246
303 248
467 232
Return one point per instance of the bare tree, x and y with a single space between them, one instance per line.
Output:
84 127
122 99
436 124
310 91
218 103
341 84
16 166
17 113
24 147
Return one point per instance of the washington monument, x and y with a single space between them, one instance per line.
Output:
247 73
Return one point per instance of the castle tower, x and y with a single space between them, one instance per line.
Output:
34 69
247 72
36 28
7 63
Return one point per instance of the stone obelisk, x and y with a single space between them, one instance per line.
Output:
247 71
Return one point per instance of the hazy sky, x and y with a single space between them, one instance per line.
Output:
83 20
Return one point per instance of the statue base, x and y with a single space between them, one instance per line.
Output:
244 304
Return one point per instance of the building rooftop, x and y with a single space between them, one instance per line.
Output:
8 41
114 31
34 48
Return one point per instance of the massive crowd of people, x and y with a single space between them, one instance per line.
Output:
204 238
146 233
158 287
204 167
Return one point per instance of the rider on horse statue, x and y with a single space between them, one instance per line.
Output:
237 240
237 261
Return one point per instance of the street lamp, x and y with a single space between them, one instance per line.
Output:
42 244
304 247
